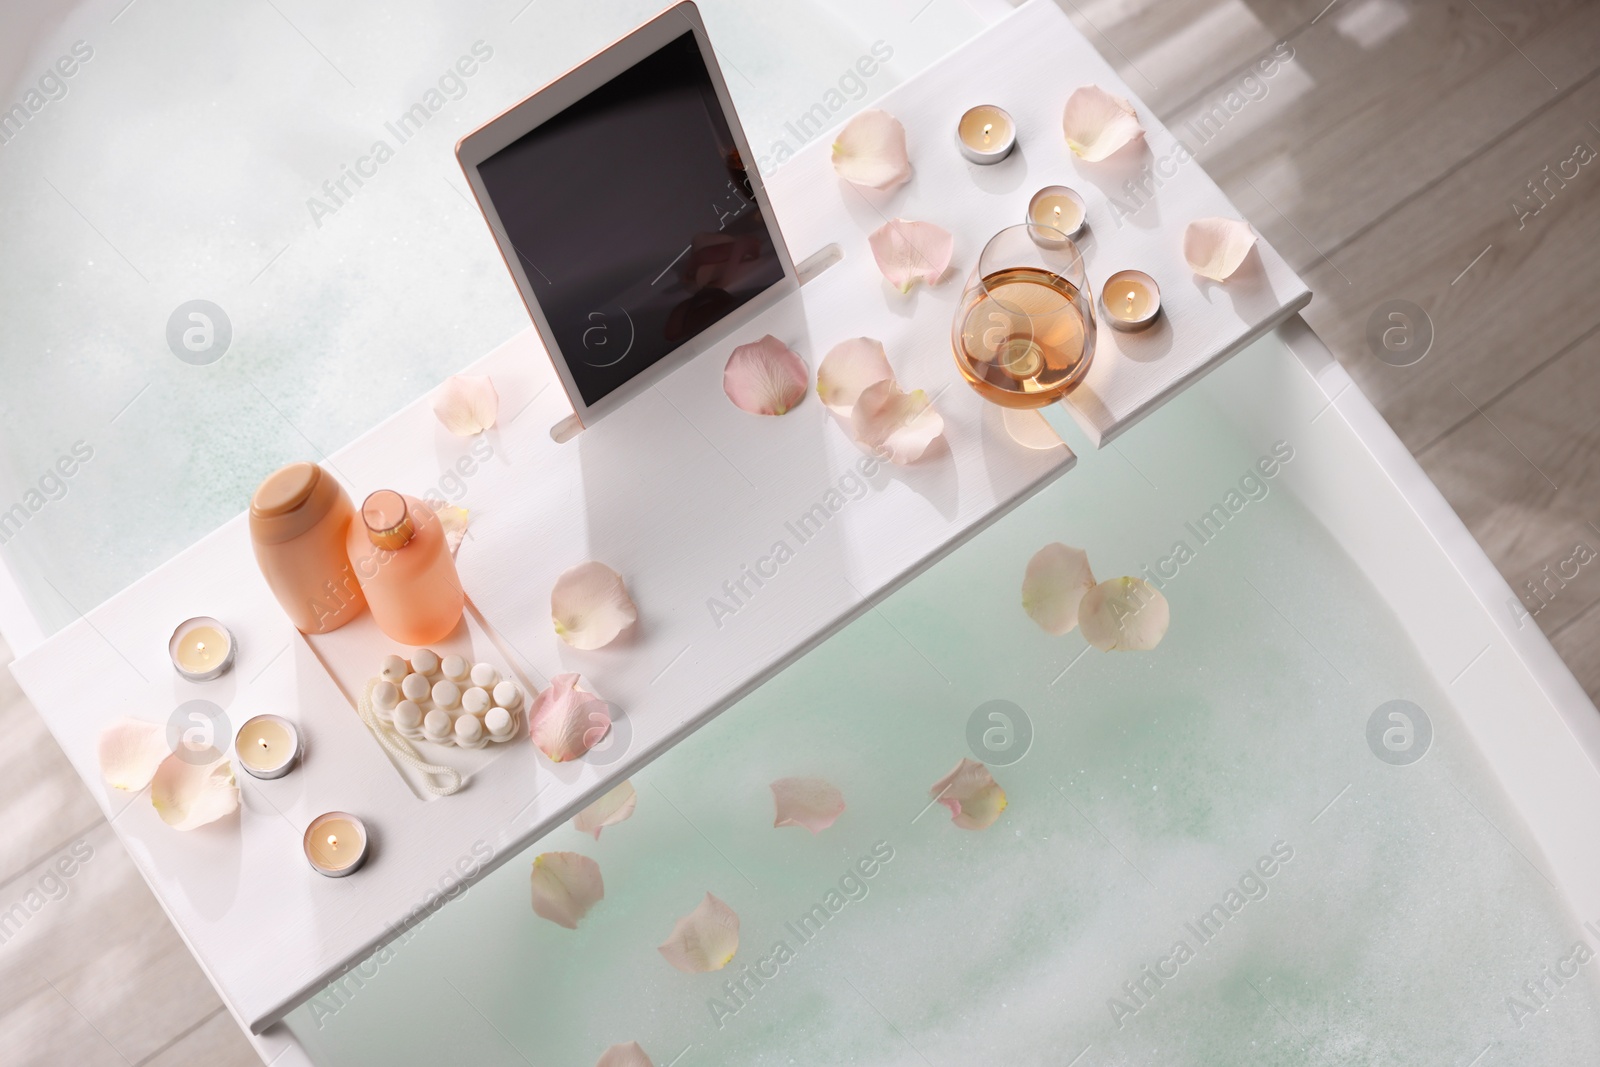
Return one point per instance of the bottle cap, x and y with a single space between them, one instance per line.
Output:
387 519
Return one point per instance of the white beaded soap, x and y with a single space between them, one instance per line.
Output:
447 701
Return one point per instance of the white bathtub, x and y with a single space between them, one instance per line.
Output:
1428 911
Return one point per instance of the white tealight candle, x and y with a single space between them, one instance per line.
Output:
201 649
1131 300
336 844
986 134
267 746
1058 208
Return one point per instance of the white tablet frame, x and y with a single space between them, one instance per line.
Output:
594 72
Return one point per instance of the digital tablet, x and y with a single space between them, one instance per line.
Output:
625 201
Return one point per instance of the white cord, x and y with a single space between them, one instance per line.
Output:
401 748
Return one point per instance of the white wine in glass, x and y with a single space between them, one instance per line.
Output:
1025 333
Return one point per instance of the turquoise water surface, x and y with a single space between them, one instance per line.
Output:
1360 911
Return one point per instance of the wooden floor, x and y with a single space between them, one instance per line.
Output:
1390 157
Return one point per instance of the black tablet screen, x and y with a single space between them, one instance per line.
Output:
634 218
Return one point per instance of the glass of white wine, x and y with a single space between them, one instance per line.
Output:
1024 335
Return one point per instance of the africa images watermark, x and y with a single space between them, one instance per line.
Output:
1140 990
50 886
52 485
809 124
1537 993
451 86
52 86
1547 584
741 989
1253 487
452 884
1201 130
1543 190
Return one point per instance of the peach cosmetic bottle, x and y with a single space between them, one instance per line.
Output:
299 519
397 548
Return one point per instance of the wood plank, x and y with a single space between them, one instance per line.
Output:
215 1042
1172 50
41 800
95 938
1379 102
1528 297
1494 469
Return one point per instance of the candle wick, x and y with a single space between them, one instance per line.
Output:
263 742
333 841
986 128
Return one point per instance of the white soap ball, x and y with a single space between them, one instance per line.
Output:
468 729
436 725
498 723
415 687
475 701
455 668
507 695
446 693
484 676
385 695
425 661
394 669
407 715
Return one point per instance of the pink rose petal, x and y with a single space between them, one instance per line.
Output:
765 378
896 425
187 795
871 151
1124 615
703 940
1057 578
1215 247
810 802
1097 123
612 808
909 252
629 1055
849 368
590 606
565 886
466 404
130 751
974 798
565 722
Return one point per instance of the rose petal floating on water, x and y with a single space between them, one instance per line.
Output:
871 151
1057 578
894 424
590 606
1097 123
612 808
765 378
703 940
466 404
1215 247
810 802
565 886
974 798
849 368
629 1055
1124 615
909 252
